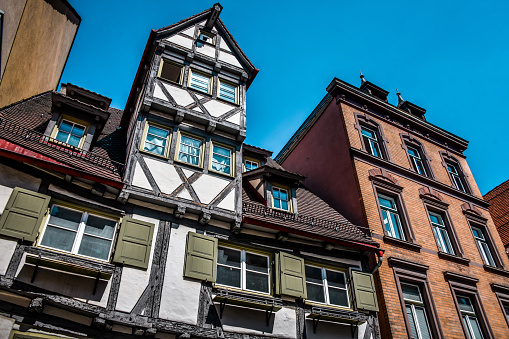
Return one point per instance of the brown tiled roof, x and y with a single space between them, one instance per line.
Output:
315 217
23 123
499 209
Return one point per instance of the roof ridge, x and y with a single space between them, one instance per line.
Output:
184 20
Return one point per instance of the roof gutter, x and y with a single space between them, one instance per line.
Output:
379 254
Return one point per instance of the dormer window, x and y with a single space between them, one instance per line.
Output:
207 37
251 164
199 81
280 198
69 132
171 71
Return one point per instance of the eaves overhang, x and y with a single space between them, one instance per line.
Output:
266 171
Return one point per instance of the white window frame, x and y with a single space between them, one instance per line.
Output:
73 123
200 156
160 71
484 250
393 211
372 141
251 162
416 159
190 80
413 304
439 230
325 286
168 139
232 158
289 201
79 232
467 315
235 91
243 269
456 177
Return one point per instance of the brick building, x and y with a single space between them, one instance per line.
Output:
387 168
499 210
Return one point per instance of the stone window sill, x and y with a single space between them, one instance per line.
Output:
454 258
402 243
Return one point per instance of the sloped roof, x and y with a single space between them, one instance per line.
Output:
499 209
30 117
315 217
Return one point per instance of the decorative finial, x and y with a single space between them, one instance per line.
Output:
362 79
400 98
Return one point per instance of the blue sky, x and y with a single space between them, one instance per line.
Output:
450 57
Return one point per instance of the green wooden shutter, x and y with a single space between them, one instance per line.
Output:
201 257
364 290
290 275
134 243
24 214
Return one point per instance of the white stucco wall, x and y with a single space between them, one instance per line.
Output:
134 280
181 41
10 178
7 247
180 297
207 187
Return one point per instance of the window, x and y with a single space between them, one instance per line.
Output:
207 37
371 143
79 232
199 82
227 92
415 311
243 269
482 244
71 133
190 149
441 234
221 159
416 159
156 140
326 286
250 164
455 177
171 72
280 198
390 216
469 317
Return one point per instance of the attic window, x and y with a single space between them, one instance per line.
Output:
207 37
171 72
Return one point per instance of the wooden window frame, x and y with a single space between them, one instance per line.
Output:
448 159
467 286
73 121
243 269
236 99
232 158
327 303
408 140
211 35
202 149
166 154
210 83
254 161
160 70
363 120
416 274
80 231
289 193
481 223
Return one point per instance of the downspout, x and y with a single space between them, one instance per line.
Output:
380 254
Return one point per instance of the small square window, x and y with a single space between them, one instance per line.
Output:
327 286
190 150
199 81
280 199
251 164
207 37
171 72
79 232
221 159
156 140
70 133
227 92
243 269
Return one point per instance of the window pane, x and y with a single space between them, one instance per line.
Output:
277 203
375 148
190 141
227 256
171 72
95 247
190 150
58 238
477 233
228 276
101 227
284 205
475 328
275 193
61 136
411 292
434 219
315 292
447 243
487 253
368 133
257 263
64 217
386 202
385 217
412 152
336 279
257 282
159 150
423 323
284 195
338 297
78 131
397 227
65 127
74 141
464 304
314 275
152 139
411 321
162 133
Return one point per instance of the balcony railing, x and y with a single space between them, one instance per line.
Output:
58 150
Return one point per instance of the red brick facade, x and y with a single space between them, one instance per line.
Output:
333 132
499 210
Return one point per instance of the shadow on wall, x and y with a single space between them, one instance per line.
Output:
75 286
249 320
327 330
